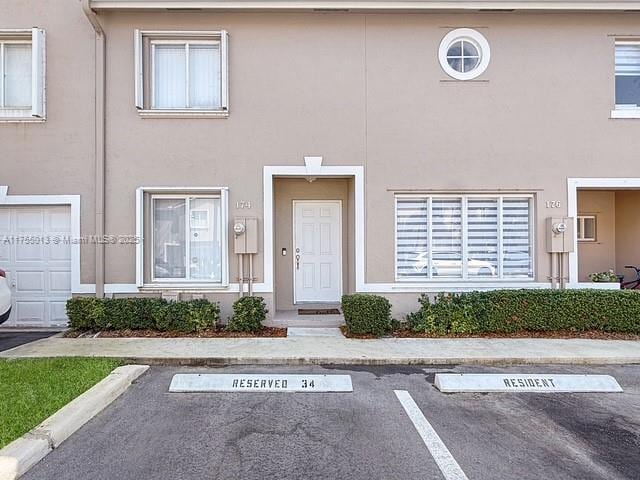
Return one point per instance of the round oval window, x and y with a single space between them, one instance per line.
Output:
464 54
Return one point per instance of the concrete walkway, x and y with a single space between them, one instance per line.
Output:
342 351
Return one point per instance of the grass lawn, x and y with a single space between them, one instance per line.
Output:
33 389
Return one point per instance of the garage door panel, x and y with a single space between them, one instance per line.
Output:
58 312
39 273
5 250
29 220
59 220
59 281
31 312
31 282
60 252
5 221
26 252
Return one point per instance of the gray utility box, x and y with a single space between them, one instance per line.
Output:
560 234
245 230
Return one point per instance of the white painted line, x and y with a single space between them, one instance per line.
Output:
238 382
439 451
519 382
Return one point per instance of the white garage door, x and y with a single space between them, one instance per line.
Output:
39 272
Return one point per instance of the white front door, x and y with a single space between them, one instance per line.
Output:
317 250
36 254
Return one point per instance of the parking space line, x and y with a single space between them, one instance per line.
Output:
439 451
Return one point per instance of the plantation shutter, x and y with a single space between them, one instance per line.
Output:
38 73
516 238
412 246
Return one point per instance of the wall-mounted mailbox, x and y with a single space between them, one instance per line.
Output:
245 231
560 234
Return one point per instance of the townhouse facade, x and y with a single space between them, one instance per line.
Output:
302 150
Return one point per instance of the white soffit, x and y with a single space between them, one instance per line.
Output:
370 5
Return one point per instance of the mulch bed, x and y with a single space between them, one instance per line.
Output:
209 333
562 334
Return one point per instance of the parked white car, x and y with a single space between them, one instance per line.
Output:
5 298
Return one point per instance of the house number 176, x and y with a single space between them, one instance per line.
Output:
553 204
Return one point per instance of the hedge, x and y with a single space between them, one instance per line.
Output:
89 313
248 315
510 311
367 314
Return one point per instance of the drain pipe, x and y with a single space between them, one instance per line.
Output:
100 81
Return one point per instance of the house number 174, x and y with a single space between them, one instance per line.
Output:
243 204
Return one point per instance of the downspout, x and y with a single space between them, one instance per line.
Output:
99 185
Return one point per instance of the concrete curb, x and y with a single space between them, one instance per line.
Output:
364 361
22 454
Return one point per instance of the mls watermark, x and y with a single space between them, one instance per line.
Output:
69 240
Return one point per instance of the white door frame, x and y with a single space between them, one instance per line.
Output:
293 263
573 184
72 201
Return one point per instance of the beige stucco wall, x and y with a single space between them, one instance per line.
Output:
358 89
627 231
286 190
56 157
598 256
368 90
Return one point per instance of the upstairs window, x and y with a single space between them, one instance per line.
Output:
21 74
181 73
464 54
627 74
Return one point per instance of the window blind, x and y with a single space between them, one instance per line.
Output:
469 237
412 238
628 74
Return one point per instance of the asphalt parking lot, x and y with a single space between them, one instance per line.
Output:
10 339
149 433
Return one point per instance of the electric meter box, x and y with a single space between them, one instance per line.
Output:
560 234
245 231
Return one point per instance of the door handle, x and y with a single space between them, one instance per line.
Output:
297 262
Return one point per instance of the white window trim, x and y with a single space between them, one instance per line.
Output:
178 36
622 111
37 111
181 192
581 219
474 37
464 278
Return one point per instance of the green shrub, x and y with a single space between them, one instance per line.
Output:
367 314
141 313
248 315
511 311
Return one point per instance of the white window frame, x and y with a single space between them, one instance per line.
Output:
580 221
472 36
141 222
464 238
144 101
152 70
35 37
624 110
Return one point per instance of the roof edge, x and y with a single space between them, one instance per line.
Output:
369 5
